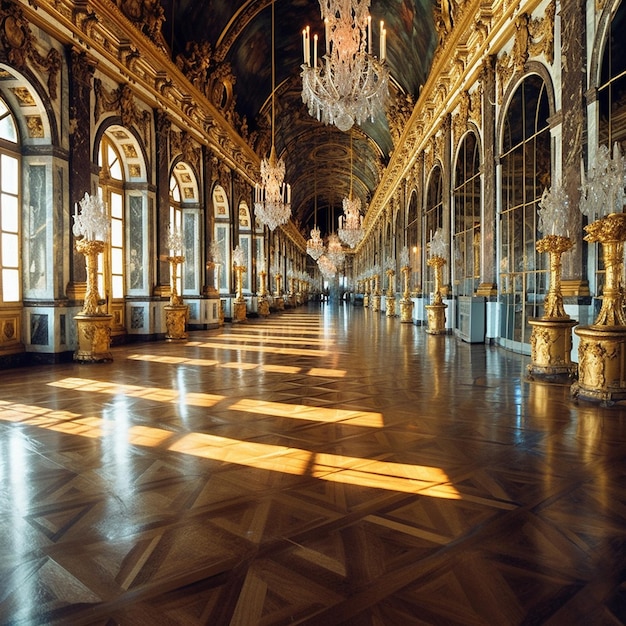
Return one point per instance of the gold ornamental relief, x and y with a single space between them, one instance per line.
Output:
533 37
593 358
21 45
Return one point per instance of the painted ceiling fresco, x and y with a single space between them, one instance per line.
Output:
317 157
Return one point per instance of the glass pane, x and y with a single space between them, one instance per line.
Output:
9 180
174 190
117 261
10 285
115 168
117 206
117 285
9 213
117 234
9 250
7 128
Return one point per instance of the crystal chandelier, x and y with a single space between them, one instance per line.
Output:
272 199
348 84
327 267
335 252
315 245
350 229
351 224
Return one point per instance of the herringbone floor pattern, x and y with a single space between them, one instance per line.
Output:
324 466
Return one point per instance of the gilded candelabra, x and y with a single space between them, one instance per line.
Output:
239 305
263 306
366 293
551 337
176 312
376 293
91 229
406 304
436 311
278 297
390 298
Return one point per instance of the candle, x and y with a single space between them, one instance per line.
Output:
304 44
369 34
315 51
327 34
382 28
383 55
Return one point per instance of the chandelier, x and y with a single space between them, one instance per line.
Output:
272 199
350 229
335 252
351 224
348 84
315 245
327 267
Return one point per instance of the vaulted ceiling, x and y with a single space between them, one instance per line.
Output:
317 157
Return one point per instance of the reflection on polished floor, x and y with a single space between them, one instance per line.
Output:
324 466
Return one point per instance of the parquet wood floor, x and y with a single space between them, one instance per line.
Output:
323 466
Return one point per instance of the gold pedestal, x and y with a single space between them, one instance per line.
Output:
263 306
406 311
602 364
436 314
175 322
366 300
94 338
602 348
551 337
551 347
280 303
390 306
376 302
239 311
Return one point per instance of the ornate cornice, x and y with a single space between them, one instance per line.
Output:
133 56
475 30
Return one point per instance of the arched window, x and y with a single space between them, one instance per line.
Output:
612 102
433 217
412 238
245 241
111 269
10 288
612 89
221 238
525 163
176 223
466 233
